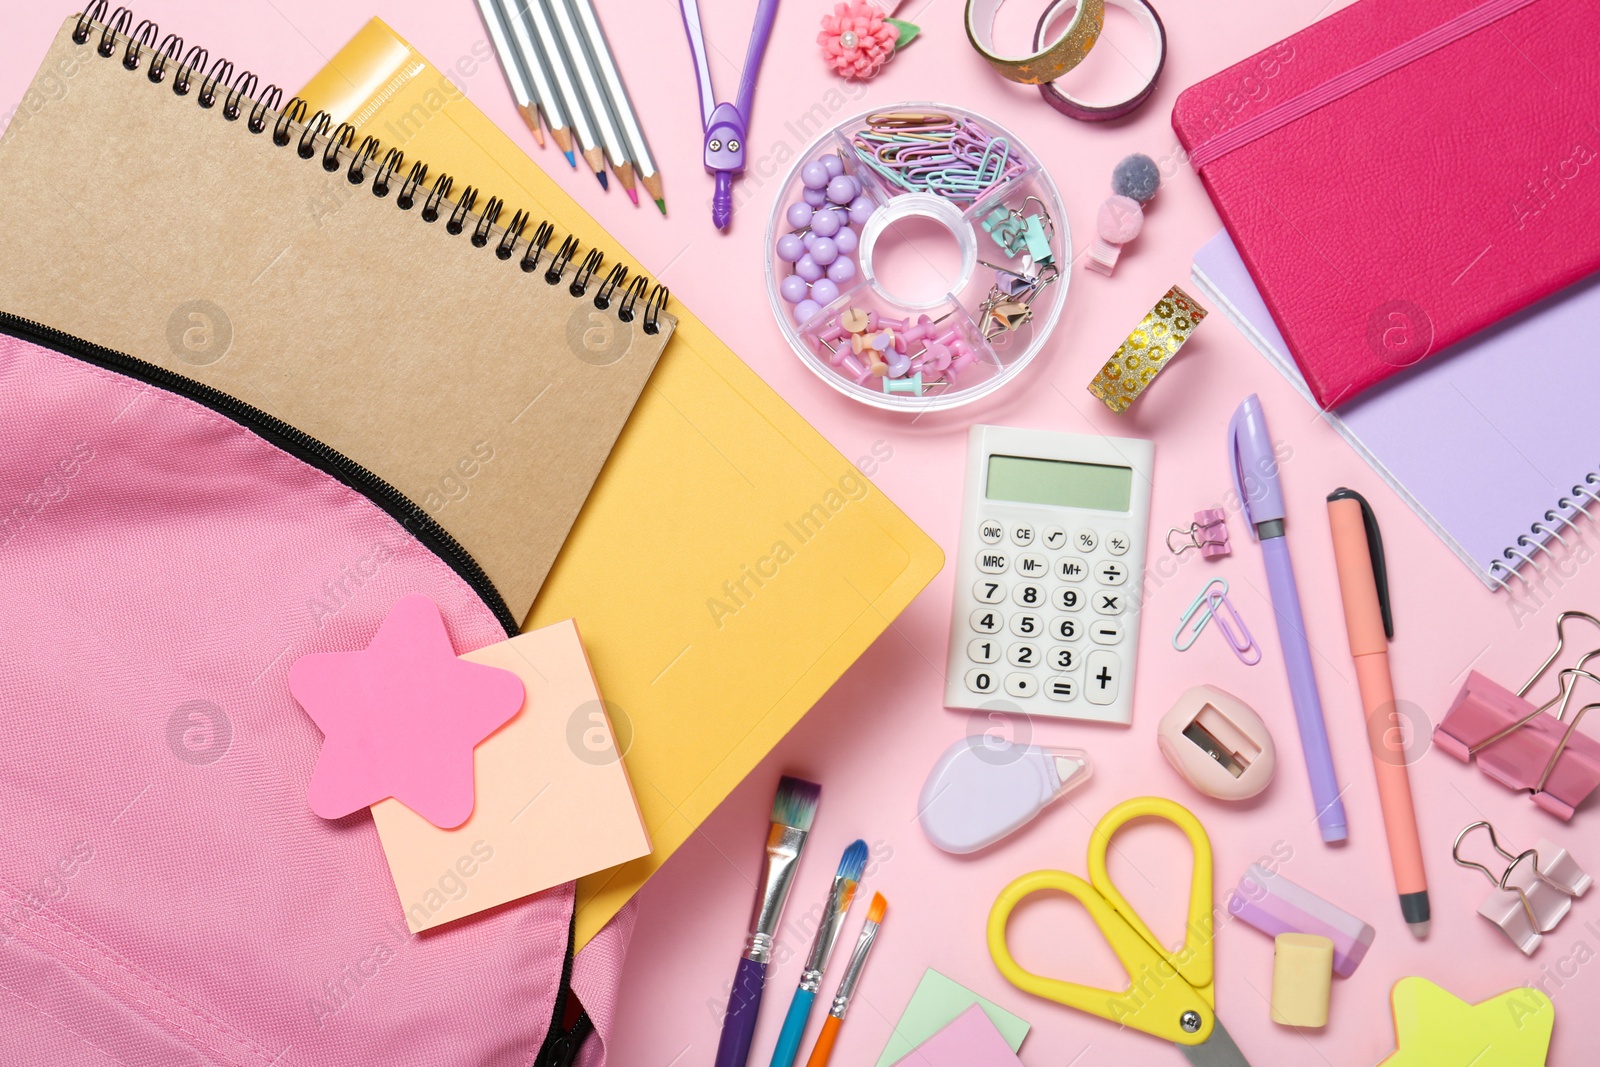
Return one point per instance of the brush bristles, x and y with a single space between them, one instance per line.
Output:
796 803
879 906
854 863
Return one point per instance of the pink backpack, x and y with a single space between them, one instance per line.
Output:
166 552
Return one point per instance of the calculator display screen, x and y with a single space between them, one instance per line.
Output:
1059 483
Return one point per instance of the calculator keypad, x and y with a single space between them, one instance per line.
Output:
1040 606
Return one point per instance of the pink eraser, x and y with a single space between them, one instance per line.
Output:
1274 905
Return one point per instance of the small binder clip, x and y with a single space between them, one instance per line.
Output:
1517 744
1531 895
1211 603
1208 532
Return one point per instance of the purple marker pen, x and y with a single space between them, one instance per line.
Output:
1254 467
726 125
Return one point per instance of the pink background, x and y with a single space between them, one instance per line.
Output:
872 739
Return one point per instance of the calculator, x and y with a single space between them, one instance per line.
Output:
1053 532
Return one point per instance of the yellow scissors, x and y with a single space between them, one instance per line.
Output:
1170 994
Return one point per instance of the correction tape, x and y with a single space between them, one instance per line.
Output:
984 788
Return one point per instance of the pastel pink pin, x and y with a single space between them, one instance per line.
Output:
921 331
401 718
935 357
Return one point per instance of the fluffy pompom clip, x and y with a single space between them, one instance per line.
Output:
858 37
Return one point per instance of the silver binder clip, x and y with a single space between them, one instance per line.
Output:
1532 894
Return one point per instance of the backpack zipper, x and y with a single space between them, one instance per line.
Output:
296 442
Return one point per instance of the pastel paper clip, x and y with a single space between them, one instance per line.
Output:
1212 603
1520 746
1208 532
1532 894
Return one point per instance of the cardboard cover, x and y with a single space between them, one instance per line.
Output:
139 220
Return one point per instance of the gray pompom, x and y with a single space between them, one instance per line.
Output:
1137 176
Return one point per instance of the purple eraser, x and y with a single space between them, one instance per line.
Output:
1274 905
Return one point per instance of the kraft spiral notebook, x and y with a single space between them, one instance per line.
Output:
1476 440
168 220
1404 173
729 565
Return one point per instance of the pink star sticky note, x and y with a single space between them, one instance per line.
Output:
401 718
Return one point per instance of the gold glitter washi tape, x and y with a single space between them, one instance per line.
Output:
1148 348
1050 62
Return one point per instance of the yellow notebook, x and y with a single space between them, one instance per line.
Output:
729 564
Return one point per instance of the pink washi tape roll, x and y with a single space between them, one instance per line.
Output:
1274 905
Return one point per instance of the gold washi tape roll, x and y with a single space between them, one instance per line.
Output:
1047 64
1148 348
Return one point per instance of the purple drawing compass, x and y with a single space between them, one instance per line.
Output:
726 124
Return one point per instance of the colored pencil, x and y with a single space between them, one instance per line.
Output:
589 85
621 104
537 15
555 113
516 72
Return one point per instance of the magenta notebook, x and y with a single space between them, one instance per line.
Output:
1481 440
1402 174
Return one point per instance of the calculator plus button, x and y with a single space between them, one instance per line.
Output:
1106 631
1102 676
1066 629
991 562
982 680
1059 688
1032 566
1026 625
1067 599
1071 569
990 531
1028 595
1022 535
986 620
1022 685
1063 659
1054 537
1023 655
1110 601
983 651
1110 572
1086 540
1117 543
988 591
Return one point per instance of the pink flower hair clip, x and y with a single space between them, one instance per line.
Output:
859 37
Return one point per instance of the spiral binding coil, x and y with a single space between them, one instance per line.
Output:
337 149
1584 496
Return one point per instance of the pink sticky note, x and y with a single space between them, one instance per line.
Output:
401 718
970 1041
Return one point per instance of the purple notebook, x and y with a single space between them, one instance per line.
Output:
1481 440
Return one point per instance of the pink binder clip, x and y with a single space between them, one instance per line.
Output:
1520 746
1532 894
1208 533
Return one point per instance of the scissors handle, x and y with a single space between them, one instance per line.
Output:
1170 994
1195 959
1157 1001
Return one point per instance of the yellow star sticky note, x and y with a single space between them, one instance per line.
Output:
1432 1028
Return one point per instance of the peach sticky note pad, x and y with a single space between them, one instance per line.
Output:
553 798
